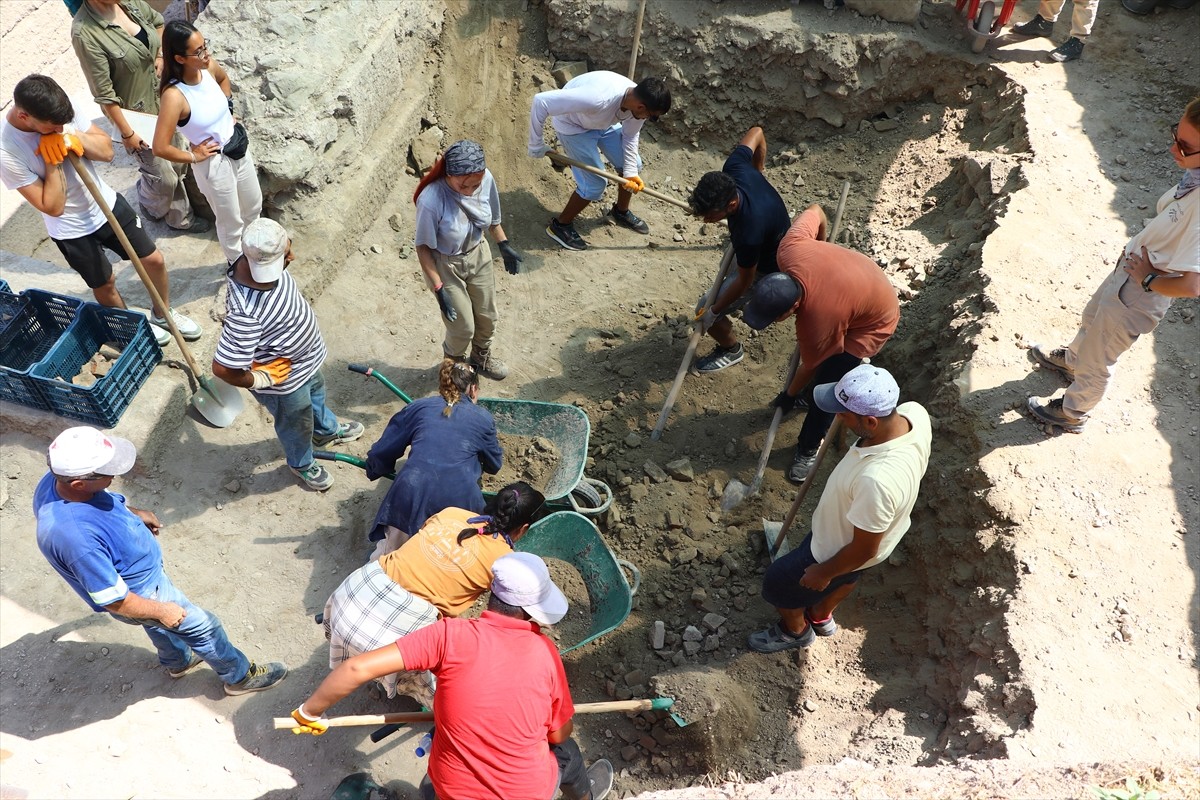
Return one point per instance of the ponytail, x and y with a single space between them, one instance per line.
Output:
454 379
438 170
511 509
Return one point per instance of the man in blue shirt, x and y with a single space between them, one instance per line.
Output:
758 219
109 554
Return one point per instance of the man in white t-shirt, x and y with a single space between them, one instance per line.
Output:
598 112
863 513
36 135
1160 263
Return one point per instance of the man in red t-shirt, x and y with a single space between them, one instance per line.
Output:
845 310
503 708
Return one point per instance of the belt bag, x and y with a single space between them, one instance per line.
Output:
235 148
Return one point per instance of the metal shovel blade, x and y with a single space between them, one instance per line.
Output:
217 401
770 534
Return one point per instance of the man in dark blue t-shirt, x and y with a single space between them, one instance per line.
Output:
758 219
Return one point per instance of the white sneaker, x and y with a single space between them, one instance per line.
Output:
188 329
161 335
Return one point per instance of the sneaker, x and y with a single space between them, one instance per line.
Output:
600 777
822 628
188 329
775 639
719 359
1069 50
628 219
179 672
199 225
258 678
1051 412
161 335
316 477
802 464
347 432
488 365
1035 27
566 235
1139 7
1054 360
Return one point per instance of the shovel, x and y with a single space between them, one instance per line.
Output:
776 533
736 491
217 401
405 717
617 179
693 343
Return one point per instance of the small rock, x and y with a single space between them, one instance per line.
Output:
677 237
376 249
692 634
233 486
89 657
686 555
691 648
681 470
658 634
883 125
634 677
678 659
633 440
711 642
566 70
654 472
810 706
629 752
714 621
699 596
394 221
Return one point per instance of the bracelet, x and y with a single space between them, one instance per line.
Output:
192 153
128 135
1146 281
438 288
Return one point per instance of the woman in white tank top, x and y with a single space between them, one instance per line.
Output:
196 99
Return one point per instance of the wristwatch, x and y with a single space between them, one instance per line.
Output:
1147 280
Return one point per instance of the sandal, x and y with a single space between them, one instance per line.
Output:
775 639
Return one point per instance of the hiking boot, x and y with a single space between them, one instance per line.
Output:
719 359
1051 412
775 639
1035 27
628 219
802 464
566 235
600 777
188 329
1054 360
822 628
346 432
258 678
315 476
1069 50
488 365
179 672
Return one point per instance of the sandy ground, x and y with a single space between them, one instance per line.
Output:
996 630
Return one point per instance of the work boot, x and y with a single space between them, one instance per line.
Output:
315 477
258 678
1054 360
488 365
1035 27
1069 50
628 219
346 432
802 464
566 235
1051 413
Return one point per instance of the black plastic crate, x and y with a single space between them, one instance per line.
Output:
105 401
39 319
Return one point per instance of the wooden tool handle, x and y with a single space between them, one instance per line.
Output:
617 179
809 479
287 723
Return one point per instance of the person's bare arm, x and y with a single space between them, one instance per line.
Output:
97 144
742 281
562 734
129 137
353 673
861 549
137 607
172 108
220 76
756 140
1169 284
48 196
823 230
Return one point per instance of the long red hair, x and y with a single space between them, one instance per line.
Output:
438 170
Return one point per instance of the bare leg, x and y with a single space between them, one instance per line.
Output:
793 620
156 268
107 295
574 206
722 332
824 609
623 198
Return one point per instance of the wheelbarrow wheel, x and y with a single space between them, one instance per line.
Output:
983 26
587 497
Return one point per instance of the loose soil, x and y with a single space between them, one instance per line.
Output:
1034 633
532 459
577 624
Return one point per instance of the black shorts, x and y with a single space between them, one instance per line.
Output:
86 255
781 584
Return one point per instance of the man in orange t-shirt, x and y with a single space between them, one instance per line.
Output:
845 310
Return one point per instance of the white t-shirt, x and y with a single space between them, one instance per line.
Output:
589 102
1173 237
20 165
874 488
443 221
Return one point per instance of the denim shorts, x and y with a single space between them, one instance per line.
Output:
781 584
586 148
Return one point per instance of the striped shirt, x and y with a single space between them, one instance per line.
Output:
264 324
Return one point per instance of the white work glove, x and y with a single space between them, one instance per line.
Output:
539 151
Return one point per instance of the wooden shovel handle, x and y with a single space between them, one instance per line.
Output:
809 479
282 723
617 179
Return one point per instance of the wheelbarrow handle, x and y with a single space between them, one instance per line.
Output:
346 458
363 369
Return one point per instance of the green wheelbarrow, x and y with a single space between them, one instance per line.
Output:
573 538
566 427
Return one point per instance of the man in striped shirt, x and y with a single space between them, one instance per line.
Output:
271 345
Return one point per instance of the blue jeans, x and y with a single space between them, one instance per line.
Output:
200 632
298 416
586 148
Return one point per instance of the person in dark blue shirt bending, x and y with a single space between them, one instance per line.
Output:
452 441
758 219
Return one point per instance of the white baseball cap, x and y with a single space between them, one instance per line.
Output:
865 390
86 451
523 580
265 244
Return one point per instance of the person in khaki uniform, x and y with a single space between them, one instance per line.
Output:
117 43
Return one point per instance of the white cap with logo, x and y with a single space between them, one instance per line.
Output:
865 390
523 580
265 244
86 451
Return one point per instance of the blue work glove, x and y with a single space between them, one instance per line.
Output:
512 259
444 304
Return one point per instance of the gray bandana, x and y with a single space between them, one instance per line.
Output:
464 158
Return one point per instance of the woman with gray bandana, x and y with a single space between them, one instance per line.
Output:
457 201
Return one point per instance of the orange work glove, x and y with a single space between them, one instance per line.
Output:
633 184
53 147
272 373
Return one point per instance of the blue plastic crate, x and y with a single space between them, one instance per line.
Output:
39 320
10 307
105 401
4 286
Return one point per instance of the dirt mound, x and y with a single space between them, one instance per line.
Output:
532 459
